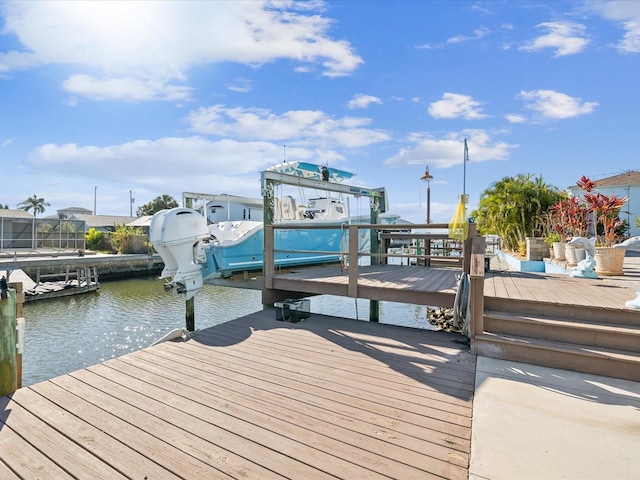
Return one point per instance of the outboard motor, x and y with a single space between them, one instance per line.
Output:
178 236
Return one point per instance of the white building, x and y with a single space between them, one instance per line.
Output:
623 185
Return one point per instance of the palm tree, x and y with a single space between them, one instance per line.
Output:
35 202
513 208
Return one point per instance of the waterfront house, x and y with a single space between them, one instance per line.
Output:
625 184
102 223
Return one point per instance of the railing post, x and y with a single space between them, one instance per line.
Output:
476 283
353 261
269 259
467 248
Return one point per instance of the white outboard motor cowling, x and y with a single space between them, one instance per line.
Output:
178 235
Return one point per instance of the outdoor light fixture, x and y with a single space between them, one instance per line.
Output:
427 178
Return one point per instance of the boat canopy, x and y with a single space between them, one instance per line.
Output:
312 171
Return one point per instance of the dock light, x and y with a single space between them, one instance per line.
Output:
427 177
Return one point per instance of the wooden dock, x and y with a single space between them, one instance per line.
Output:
254 398
392 283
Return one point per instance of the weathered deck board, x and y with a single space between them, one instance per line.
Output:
437 286
394 283
254 398
603 292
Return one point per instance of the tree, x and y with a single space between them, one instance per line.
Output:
514 208
35 202
159 203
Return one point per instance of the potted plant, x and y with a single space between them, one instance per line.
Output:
559 223
578 219
550 239
606 209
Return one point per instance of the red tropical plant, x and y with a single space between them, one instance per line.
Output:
559 222
605 207
578 214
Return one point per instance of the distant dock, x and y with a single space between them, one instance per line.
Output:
51 274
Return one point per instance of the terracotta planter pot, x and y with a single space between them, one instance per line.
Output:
609 261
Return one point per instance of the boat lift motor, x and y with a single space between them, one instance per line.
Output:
179 236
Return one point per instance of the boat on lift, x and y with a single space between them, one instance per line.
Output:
194 243
237 245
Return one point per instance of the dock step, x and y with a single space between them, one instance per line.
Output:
568 356
587 313
575 331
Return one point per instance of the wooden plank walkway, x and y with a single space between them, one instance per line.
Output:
436 286
392 283
254 398
605 292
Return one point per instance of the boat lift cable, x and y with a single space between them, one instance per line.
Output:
461 304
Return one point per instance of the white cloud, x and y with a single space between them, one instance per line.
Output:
159 164
296 127
241 85
362 101
128 89
454 105
448 151
566 38
626 13
552 104
478 33
515 118
113 45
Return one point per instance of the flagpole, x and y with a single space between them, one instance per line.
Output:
464 169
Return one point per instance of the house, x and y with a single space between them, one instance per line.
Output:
102 223
627 185
143 222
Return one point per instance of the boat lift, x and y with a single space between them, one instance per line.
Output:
319 180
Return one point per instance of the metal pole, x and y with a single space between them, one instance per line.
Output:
464 170
95 194
427 177
428 203
374 241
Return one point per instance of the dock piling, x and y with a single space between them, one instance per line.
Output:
8 342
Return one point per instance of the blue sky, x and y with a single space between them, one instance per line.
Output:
167 97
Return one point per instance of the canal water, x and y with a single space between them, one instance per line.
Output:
71 333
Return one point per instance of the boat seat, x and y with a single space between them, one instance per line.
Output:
287 208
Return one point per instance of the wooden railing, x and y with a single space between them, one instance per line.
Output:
386 233
471 260
476 288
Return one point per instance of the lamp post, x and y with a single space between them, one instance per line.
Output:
95 194
131 200
427 178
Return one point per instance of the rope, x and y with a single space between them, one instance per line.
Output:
461 304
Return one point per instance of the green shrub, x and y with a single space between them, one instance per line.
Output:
97 240
128 239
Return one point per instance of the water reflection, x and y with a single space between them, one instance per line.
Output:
71 333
